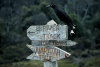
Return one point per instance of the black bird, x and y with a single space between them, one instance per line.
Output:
63 16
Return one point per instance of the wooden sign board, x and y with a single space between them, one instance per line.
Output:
54 43
47 32
47 53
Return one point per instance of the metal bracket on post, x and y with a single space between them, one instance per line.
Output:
50 64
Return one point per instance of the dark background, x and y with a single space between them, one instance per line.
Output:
17 15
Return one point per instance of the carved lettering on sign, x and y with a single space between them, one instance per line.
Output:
47 32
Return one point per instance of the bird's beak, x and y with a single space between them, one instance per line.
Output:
48 6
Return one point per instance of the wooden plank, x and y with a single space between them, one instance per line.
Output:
47 53
54 43
47 32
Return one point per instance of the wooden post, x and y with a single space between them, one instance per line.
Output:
50 64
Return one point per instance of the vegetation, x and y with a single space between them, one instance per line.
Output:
61 63
17 15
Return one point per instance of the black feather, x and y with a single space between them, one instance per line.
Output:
63 16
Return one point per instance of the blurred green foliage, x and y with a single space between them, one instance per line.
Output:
61 63
93 62
17 15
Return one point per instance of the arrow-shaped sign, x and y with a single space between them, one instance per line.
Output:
47 53
47 32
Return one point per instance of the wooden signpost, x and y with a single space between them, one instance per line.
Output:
45 39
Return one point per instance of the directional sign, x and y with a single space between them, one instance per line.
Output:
44 39
47 53
54 43
71 43
47 32
34 56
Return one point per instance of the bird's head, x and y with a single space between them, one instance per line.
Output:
51 5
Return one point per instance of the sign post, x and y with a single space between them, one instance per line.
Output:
50 64
44 39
